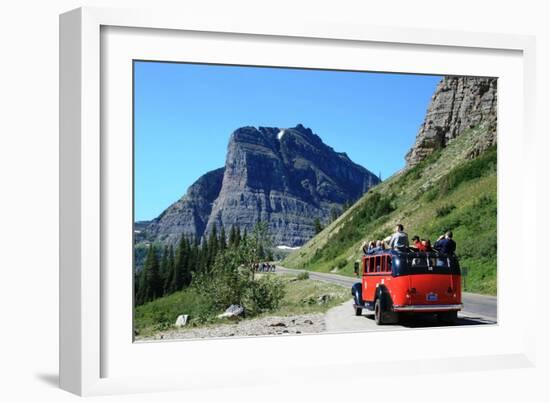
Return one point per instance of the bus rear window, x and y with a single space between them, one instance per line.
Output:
420 263
428 262
414 262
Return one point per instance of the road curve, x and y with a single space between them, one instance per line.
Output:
476 306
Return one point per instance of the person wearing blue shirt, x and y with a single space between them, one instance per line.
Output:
378 248
445 244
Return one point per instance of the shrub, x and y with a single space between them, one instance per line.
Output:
444 210
431 195
341 263
226 283
303 275
265 294
483 201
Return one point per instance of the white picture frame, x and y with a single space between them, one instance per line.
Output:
87 318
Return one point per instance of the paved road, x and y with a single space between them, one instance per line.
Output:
478 309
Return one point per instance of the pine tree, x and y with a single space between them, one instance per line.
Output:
203 255
171 266
232 237
150 282
164 270
186 268
138 288
194 257
261 253
223 244
237 236
212 245
182 273
171 258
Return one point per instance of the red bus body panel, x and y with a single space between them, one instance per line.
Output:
412 292
445 288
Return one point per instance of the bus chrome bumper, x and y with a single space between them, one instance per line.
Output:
427 308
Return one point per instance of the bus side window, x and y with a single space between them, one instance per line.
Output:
377 264
365 265
388 264
371 265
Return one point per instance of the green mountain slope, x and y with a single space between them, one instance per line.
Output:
448 190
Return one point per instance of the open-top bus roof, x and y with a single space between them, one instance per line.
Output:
409 252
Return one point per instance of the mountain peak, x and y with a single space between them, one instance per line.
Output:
285 176
299 127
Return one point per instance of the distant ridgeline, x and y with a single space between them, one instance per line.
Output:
286 177
449 182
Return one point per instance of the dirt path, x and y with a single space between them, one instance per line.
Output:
342 319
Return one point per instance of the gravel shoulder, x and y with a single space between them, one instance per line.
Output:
265 326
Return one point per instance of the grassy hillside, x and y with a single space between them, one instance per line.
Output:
448 190
301 297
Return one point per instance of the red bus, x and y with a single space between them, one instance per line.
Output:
405 281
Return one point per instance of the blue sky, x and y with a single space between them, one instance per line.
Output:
185 113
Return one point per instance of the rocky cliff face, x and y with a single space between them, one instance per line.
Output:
190 214
286 177
458 103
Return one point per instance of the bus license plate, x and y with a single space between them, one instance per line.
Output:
431 297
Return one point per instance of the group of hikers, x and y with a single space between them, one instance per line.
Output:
264 267
400 240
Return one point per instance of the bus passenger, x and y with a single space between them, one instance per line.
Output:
372 247
427 245
418 244
366 247
445 244
376 247
399 239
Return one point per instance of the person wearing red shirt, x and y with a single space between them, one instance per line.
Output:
418 245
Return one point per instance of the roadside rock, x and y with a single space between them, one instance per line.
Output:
181 320
233 312
323 299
